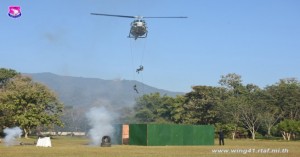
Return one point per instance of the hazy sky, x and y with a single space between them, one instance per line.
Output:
257 39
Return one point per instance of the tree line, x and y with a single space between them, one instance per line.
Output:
235 108
27 104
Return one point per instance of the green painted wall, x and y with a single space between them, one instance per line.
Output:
138 132
170 134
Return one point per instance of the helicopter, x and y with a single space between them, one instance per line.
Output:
138 27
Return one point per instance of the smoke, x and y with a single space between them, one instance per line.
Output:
11 135
100 120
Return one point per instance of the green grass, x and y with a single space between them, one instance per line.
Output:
78 147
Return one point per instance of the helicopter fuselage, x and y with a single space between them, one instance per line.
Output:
138 29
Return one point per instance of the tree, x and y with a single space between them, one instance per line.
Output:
251 108
5 75
231 105
153 108
288 127
201 105
32 104
233 82
177 110
271 116
230 114
270 119
243 104
286 96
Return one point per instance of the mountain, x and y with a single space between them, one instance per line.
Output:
82 92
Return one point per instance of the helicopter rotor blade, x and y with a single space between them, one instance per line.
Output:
166 17
125 16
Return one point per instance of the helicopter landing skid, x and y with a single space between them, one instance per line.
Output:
135 37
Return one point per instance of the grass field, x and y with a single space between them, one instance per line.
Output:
78 147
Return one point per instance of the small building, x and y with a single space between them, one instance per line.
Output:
121 134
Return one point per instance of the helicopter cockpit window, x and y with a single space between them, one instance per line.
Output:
134 23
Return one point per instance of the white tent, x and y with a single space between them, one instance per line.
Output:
44 142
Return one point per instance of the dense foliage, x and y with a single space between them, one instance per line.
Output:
237 109
27 104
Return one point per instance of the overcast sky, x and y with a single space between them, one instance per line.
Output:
257 39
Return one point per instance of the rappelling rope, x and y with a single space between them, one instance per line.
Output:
132 59
142 61
134 56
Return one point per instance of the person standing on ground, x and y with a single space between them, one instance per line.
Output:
221 137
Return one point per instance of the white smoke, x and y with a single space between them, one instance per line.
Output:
100 120
11 135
